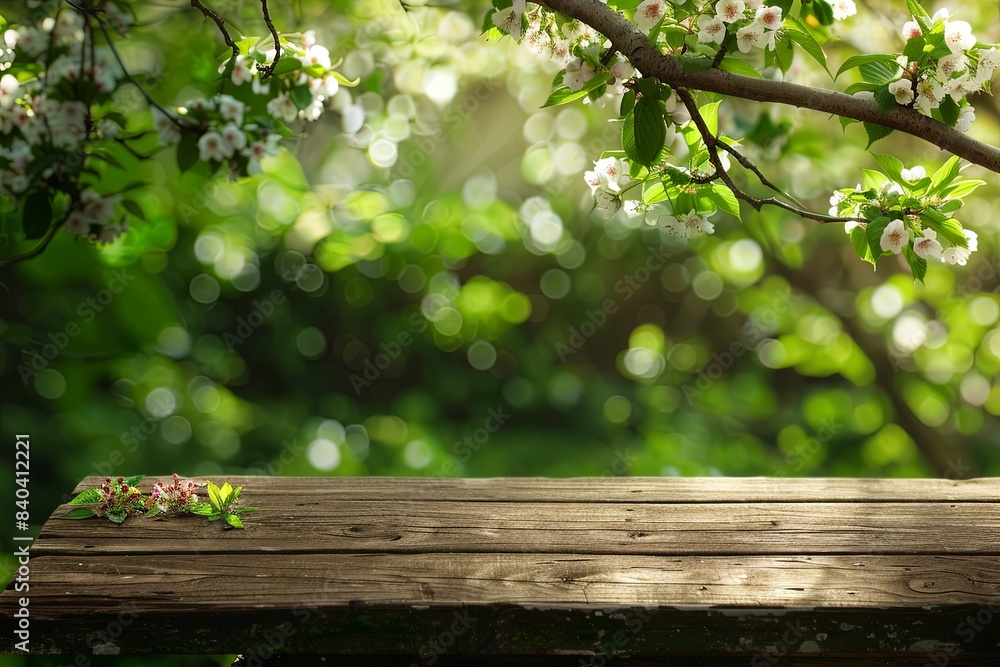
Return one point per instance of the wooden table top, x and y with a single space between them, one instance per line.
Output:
522 566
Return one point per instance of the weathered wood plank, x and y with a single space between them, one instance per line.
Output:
619 489
549 569
65 586
290 524
514 604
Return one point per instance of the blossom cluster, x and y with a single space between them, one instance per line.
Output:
228 133
119 500
909 212
759 29
61 114
41 116
956 68
173 499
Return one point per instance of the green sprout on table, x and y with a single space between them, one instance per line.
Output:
222 505
119 498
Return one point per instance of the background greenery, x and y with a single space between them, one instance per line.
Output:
434 260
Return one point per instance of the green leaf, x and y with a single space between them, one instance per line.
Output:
37 217
650 131
88 497
943 177
859 240
858 86
116 517
880 72
858 61
225 492
203 509
948 112
301 96
951 206
710 112
187 151
725 199
946 227
892 167
133 208
738 66
876 132
874 235
885 100
784 52
799 34
917 9
79 513
134 480
918 265
233 520
344 81
155 510
116 118
215 495
823 12
692 64
962 189
564 94
628 103
286 64
914 48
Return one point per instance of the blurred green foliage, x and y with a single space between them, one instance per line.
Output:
362 306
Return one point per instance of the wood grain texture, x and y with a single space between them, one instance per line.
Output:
571 569
617 489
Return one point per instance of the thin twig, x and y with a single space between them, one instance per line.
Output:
219 22
267 70
712 142
130 79
37 250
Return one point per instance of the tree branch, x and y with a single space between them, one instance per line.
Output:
37 250
630 42
218 22
712 143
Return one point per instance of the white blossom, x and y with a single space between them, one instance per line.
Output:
951 64
894 237
730 11
965 117
649 13
711 29
930 94
166 130
958 36
509 21
241 71
234 138
927 245
913 174
686 225
606 202
972 238
231 108
578 73
750 36
903 91
956 255
283 107
611 173
911 29
769 17
989 61
843 9
211 146
961 86
8 90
